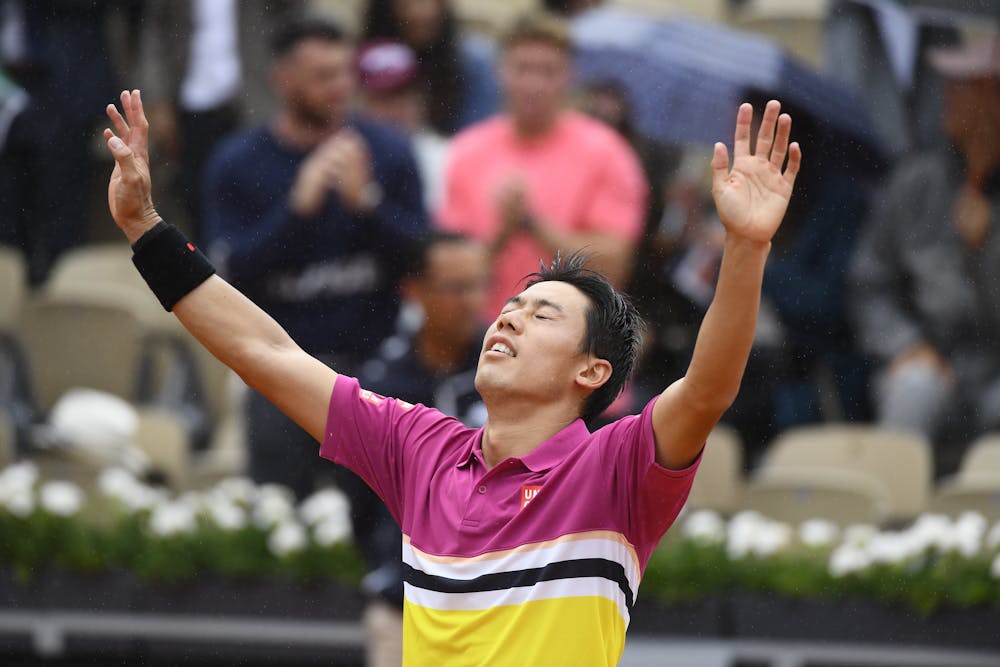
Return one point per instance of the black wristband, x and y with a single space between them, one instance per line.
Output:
170 264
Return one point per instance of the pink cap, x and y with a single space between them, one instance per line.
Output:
385 66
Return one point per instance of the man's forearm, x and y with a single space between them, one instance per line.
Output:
727 332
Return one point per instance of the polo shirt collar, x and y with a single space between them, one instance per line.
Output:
544 457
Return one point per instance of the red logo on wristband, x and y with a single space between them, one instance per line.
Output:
190 247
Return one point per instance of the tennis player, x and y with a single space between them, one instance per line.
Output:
524 541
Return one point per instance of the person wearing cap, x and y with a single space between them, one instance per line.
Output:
924 299
393 93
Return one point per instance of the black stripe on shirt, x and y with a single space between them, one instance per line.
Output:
566 569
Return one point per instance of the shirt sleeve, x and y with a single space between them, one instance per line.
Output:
373 436
654 494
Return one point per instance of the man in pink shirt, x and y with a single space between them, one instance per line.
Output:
540 177
524 540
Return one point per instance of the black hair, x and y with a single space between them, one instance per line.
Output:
295 32
440 62
614 326
419 250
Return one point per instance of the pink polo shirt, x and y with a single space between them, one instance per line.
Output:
534 561
581 176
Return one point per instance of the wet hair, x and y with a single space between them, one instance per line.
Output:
295 32
613 324
419 250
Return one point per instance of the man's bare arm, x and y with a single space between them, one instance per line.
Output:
230 326
751 201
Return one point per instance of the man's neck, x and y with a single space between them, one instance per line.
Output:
438 353
293 131
517 429
531 130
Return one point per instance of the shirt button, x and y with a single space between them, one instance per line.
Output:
482 488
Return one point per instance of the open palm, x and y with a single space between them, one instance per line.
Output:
129 190
751 198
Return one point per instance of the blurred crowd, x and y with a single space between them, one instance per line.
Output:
382 191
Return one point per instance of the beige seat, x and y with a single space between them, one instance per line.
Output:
719 482
901 462
71 344
8 448
794 495
13 286
162 437
976 486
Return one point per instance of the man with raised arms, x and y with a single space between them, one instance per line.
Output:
524 540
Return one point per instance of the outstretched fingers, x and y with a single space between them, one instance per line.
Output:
720 165
136 116
780 148
741 139
794 162
121 127
765 135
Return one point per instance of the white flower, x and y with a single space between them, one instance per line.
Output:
705 527
847 559
751 533
967 534
993 538
818 533
273 506
20 503
172 518
859 534
931 531
324 505
121 486
995 567
240 490
61 498
331 531
287 538
226 514
18 476
771 538
892 548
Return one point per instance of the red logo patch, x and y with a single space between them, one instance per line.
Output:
528 494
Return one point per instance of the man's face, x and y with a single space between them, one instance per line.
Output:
533 349
419 20
535 77
453 290
315 81
403 108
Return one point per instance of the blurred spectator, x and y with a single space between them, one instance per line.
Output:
541 178
879 49
59 52
925 302
391 93
309 217
203 69
456 68
804 366
434 365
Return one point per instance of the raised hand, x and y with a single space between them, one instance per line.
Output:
129 191
752 197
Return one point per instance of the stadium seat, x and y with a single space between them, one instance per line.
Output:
976 486
73 344
163 438
8 449
13 286
898 464
794 495
718 485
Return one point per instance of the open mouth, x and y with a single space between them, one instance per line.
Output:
502 349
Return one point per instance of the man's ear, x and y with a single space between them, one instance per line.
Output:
594 374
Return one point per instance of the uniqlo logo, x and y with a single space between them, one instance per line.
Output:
528 494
